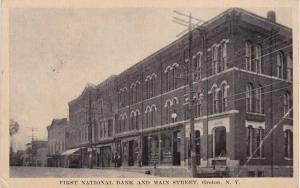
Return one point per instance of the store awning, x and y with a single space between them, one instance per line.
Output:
70 151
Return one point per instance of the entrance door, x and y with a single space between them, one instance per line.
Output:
176 148
145 151
130 153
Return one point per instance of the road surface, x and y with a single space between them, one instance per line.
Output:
72 172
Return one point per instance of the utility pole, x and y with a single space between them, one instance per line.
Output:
190 72
90 149
33 148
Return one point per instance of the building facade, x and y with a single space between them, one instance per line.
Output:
242 78
56 142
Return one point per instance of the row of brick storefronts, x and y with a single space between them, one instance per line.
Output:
141 116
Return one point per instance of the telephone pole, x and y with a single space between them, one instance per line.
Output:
33 148
190 72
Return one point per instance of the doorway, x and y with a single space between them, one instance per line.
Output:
176 148
131 153
145 151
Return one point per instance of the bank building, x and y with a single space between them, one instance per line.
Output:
242 92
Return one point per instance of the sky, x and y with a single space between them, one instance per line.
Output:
54 53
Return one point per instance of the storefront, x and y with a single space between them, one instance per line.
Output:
163 148
103 156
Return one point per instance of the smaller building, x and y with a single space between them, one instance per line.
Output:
36 153
56 142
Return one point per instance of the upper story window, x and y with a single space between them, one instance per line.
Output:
150 82
224 54
134 91
289 74
215 99
123 97
259 96
101 106
168 111
280 64
249 98
198 106
198 65
214 59
224 97
258 59
171 72
248 55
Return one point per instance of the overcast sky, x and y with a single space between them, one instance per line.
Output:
55 52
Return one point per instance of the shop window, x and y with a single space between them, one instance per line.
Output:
166 147
254 141
288 144
219 143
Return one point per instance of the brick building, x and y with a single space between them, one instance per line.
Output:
242 77
56 141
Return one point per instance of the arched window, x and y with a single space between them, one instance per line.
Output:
280 64
174 77
249 98
288 144
168 80
198 107
258 59
153 109
215 100
219 142
259 100
289 74
198 147
152 92
137 90
168 111
224 97
248 55
136 120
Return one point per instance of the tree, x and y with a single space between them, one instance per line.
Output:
13 127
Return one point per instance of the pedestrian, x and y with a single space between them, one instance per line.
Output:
115 158
118 160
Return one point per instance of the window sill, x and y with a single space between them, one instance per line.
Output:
288 159
256 158
256 114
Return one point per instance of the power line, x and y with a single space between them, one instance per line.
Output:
262 142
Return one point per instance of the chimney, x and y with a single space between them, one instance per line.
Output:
271 15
